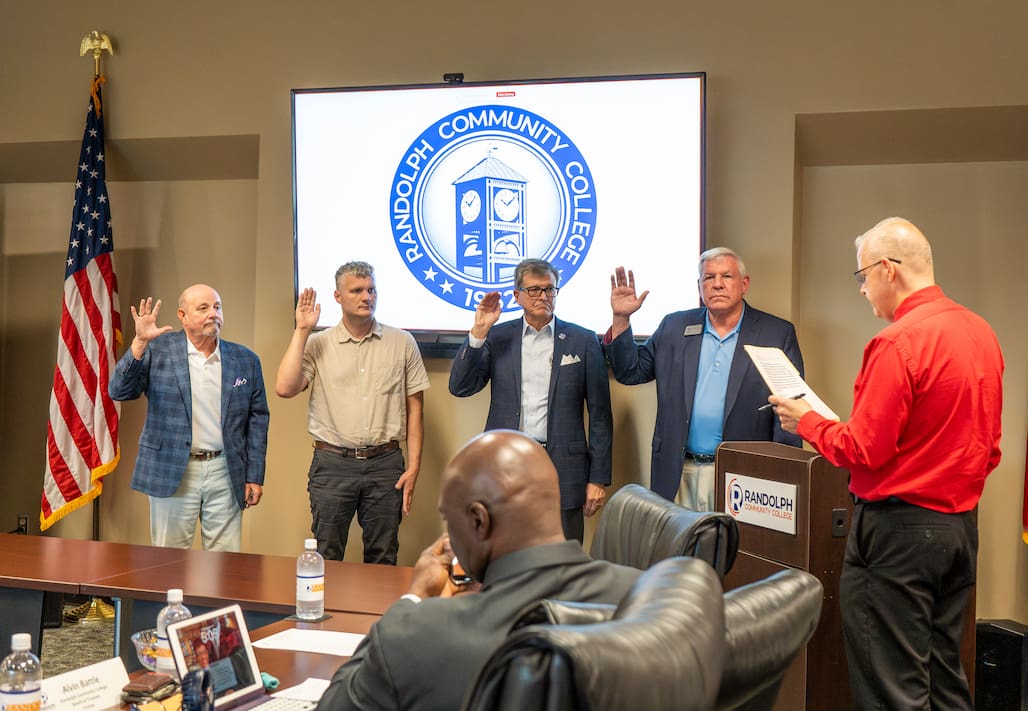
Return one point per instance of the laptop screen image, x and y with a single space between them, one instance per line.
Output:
219 641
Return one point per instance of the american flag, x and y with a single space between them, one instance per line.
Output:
82 437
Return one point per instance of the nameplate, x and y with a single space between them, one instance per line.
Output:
91 688
693 330
761 502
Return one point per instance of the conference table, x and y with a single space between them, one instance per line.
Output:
262 583
264 586
292 668
33 565
138 578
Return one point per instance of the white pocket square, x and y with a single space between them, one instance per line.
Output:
568 359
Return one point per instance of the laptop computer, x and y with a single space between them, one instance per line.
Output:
220 642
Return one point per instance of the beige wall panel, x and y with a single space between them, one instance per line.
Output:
973 214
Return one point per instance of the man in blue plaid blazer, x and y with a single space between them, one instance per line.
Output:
202 449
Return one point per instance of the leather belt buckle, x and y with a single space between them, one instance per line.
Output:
360 453
205 455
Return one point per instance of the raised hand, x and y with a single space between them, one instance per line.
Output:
487 313
145 319
308 310
623 300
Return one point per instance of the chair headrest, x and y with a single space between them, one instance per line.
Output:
662 649
639 527
766 625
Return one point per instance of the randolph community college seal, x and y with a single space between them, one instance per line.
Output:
480 190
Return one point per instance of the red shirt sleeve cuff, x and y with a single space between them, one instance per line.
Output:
807 424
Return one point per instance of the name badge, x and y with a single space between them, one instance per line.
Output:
694 330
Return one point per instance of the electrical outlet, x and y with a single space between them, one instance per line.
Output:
23 523
840 523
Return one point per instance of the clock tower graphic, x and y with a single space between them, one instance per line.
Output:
459 207
490 220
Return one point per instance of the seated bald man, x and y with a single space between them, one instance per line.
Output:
501 502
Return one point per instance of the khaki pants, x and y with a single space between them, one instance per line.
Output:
696 490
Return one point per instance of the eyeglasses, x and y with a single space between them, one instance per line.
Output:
536 291
862 277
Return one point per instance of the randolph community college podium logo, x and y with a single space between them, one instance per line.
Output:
480 190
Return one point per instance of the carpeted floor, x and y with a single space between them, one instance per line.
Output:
76 644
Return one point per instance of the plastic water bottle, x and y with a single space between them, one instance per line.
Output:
310 582
21 676
174 612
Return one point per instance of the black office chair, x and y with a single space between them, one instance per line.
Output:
662 649
767 623
639 527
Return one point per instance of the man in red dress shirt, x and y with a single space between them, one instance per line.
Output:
923 435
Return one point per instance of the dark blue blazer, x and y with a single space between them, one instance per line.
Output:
672 357
578 460
163 376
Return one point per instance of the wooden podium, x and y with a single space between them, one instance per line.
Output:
824 508
822 513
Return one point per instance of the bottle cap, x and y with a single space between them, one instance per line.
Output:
310 544
175 595
21 641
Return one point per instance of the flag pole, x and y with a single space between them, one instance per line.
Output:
96 609
96 42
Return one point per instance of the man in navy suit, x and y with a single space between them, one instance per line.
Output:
708 390
543 371
201 452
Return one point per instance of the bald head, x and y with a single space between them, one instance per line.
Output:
900 239
894 260
197 292
499 494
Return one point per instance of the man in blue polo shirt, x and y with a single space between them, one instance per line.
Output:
707 388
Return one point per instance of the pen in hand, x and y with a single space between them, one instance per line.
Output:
794 397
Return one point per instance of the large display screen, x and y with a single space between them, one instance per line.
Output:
445 188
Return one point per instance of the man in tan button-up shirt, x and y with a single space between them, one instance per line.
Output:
366 381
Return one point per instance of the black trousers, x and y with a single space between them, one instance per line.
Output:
905 583
340 487
573 522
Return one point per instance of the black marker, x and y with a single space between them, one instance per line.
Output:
794 397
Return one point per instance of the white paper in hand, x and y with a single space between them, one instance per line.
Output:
782 378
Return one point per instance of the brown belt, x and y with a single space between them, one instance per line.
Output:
205 454
358 452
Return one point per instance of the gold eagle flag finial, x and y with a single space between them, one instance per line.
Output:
97 42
